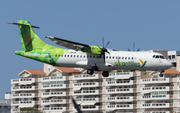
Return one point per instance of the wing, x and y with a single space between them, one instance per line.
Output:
69 44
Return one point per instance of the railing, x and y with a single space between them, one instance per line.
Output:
85 76
123 82
155 80
155 97
86 92
120 98
123 90
130 74
14 81
86 84
88 108
155 105
120 106
62 78
158 88
54 108
23 88
55 86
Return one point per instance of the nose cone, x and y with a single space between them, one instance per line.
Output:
168 64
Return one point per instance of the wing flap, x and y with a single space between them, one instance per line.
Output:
68 44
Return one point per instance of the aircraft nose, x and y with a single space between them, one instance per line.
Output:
168 64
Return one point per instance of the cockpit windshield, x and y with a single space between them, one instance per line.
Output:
158 56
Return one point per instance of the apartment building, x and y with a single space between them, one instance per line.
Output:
130 92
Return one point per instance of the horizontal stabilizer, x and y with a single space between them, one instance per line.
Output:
22 24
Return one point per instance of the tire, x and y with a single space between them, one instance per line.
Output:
105 73
90 71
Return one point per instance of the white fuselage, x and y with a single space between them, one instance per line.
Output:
115 60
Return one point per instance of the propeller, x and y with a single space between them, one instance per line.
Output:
134 48
103 50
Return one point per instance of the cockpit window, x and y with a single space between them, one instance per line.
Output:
158 56
162 57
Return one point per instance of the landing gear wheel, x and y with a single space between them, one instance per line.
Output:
161 75
105 73
90 71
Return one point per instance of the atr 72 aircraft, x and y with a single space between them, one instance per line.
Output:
90 57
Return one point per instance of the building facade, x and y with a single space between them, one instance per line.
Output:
130 92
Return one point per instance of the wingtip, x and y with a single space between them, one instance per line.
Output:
49 37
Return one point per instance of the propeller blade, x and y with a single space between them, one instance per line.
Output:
138 49
103 41
107 44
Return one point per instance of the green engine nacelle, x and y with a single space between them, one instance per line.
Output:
93 50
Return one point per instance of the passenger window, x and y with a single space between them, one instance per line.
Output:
64 55
81 56
125 57
84 56
71 55
68 56
56 55
87 56
132 58
90 56
77 56
119 57
116 57
59 55
109 57
113 57
122 57
129 58
93 56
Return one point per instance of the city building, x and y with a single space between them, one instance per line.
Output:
132 92
5 105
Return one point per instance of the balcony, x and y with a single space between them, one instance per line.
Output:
87 100
22 88
156 112
52 94
155 97
120 99
23 95
89 108
23 81
14 81
155 105
15 110
53 101
86 76
121 74
86 84
23 103
86 92
123 90
155 88
45 79
119 83
119 106
55 86
155 80
54 109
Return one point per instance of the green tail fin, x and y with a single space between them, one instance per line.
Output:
29 40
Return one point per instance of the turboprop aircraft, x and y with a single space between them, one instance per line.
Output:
90 57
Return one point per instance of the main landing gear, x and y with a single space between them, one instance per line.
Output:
104 73
161 73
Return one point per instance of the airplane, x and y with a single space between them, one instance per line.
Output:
90 57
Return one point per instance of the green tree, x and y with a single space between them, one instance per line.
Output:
30 110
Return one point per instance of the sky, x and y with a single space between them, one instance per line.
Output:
152 25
